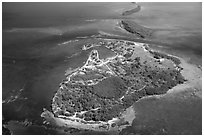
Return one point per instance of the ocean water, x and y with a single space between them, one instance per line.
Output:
168 115
35 62
180 26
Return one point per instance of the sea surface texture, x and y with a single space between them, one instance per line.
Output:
102 68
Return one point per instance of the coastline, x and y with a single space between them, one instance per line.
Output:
95 126
42 52
192 74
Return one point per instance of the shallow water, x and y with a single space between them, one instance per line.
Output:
167 115
180 26
33 60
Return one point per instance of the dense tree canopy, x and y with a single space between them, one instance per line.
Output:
131 81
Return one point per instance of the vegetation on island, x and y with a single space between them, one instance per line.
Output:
131 11
136 29
132 80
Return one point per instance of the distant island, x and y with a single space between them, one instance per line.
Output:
136 29
131 11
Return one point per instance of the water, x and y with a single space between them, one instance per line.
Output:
170 115
33 60
180 26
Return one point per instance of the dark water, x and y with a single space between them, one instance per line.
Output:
33 60
55 14
168 115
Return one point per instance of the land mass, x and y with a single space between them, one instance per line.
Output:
136 29
131 11
99 95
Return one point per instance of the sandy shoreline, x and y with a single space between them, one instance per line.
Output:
194 79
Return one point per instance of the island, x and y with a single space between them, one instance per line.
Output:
99 95
131 11
136 29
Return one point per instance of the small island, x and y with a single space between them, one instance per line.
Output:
99 95
136 29
131 11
